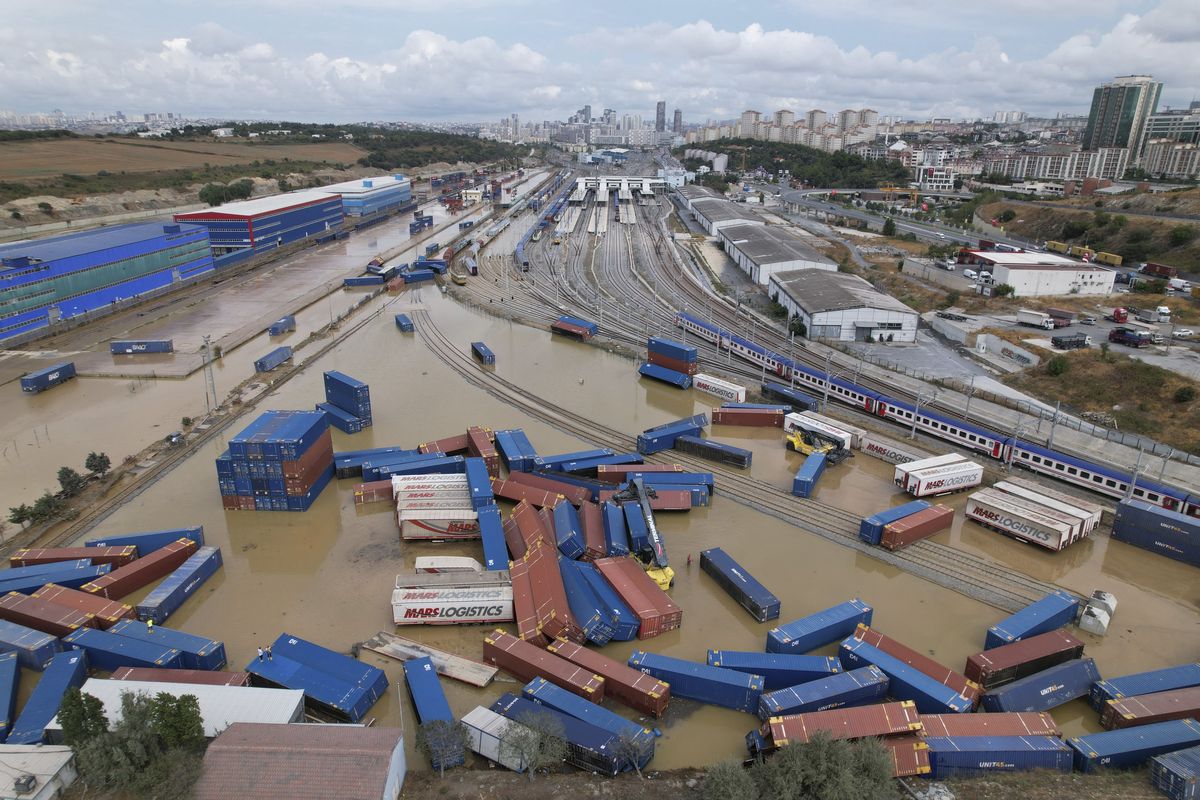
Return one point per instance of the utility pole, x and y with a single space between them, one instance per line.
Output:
210 382
921 398
1137 467
1054 424
828 381
970 394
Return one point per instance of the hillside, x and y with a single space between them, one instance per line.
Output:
813 167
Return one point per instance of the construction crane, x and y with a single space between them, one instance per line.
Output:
654 559
809 442
890 190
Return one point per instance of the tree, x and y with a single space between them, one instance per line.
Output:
1003 290
46 508
1181 235
444 742
177 720
1057 365
1073 229
20 515
798 327
97 464
536 742
1185 394
1104 347
70 481
1007 215
889 227
729 780
629 750
82 717
826 768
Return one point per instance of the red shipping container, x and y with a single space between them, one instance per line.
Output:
686 367
664 499
203 677
574 494
749 417
131 577
554 612
319 453
511 490
451 445
617 473
1144 709
395 284
28 557
1001 723
372 492
881 719
634 688
1010 662
233 502
920 662
592 522
512 538
524 607
656 612
106 612
570 329
525 662
531 525
914 527
44 616
479 445
910 755
300 485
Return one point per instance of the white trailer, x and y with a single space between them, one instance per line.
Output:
889 450
795 422
437 564
993 510
721 388
1035 319
485 736
1074 521
856 433
1081 517
1093 508
453 598
403 483
454 496
943 480
900 476
438 525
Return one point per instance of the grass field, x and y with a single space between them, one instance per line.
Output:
31 161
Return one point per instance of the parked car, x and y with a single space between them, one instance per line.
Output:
1183 333
1087 321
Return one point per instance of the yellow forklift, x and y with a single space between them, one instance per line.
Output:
809 442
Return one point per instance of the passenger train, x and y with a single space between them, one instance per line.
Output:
1071 469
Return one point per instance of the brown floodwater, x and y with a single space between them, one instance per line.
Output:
326 575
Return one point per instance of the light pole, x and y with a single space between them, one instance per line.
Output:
1018 429
1053 424
921 398
970 394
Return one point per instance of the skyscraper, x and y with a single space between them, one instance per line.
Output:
1119 112
677 123
660 116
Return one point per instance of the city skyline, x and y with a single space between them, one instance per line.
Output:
395 60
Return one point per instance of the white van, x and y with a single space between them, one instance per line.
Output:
970 274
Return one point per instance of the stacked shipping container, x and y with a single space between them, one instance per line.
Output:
280 462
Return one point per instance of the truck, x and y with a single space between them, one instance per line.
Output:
1119 315
1061 317
1130 337
1035 319
1154 315
1073 341
1159 271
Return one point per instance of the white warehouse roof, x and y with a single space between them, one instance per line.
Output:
364 186
259 205
719 210
1025 259
770 244
816 291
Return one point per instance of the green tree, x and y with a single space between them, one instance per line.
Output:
828 769
20 515
889 227
97 464
629 750
70 481
443 741
1137 235
1073 229
213 193
536 742
729 780
1104 348
952 297
1185 394
46 508
1003 290
1007 215
177 720
82 717
1181 235
1057 365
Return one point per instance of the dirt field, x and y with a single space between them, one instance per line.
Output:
36 160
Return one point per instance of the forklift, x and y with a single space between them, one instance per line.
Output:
655 559
809 442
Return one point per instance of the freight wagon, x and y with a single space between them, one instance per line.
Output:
462 598
47 378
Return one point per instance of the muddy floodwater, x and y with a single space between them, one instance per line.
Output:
327 574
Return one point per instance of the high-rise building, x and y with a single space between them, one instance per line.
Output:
660 116
784 118
747 123
815 118
847 119
586 113
1119 112
677 122
868 117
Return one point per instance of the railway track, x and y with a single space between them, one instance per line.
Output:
975 576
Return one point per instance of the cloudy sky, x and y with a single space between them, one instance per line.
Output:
473 60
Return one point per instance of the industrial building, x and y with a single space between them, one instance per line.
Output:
91 272
383 194
51 766
843 307
690 194
1041 274
763 250
715 214
240 230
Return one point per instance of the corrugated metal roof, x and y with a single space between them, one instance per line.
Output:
817 290
73 244
770 244
260 205
719 210
43 761
696 192
1018 259
378 183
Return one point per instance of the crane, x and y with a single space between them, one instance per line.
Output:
809 442
655 559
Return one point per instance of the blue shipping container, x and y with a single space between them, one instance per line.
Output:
817 630
360 684
555 462
635 524
669 480
405 323
1183 676
430 705
856 687
713 685
108 651
1132 747
1045 690
588 747
10 677
196 652
66 669
625 623
479 483
764 406
166 598
349 464
135 346
43 379
740 584
796 399
433 465
1177 775
150 541
966 756
568 531
273 359
586 464
544 693
362 280
1153 528
17 573
34 648
870 530
905 682
340 419
70 578
807 476
672 349
491 532
483 353
587 609
511 452
676 379
1053 611
779 671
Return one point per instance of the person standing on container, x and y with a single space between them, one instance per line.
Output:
149 626
260 654
269 656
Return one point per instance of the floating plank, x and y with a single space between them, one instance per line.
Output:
447 664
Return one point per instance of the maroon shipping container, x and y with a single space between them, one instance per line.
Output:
914 527
525 662
1143 709
592 522
664 499
395 284
1010 662
131 577
570 329
315 459
200 676
546 514
106 612
882 719
656 612
531 525
575 494
554 612
43 615
117 556
451 445
686 367
233 502
910 755
616 473
750 417
524 607
299 484
479 445
1004 723
511 490
373 492
512 538
634 688
920 662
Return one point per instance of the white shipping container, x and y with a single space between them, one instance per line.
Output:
942 480
1093 508
453 598
1084 520
419 524
856 433
434 504
888 450
1073 521
453 496
797 422
486 731
991 510
723 389
437 564
402 483
902 470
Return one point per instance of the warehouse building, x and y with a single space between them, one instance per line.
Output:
692 193
843 307
92 272
1041 274
383 194
714 214
762 250
240 230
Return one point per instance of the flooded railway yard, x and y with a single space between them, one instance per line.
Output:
326 574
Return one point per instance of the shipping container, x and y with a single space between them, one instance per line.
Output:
356 281
65 670
139 346
855 687
882 719
726 390
108 651
804 422
669 347
1159 680
482 353
514 448
656 612
1177 774
908 755
670 480
779 671
669 376
920 662
1088 519
944 480
714 451
486 733
341 419
969 756
570 330
559 461
568 531
415 465
1093 508
748 417
331 682
279 435
1147 708
34 648
1035 723
491 532
196 652
131 577
273 359
44 616
521 492
150 541
901 472
1053 611
638 690
1004 513
673 364
417 275
458 598
1158 530
625 623
591 520
48 377
588 610
817 630
889 450
588 748
71 578
20 573
805 480
525 662
870 530
904 682
616 538
349 464
740 584
285 324
10 675
106 612
200 677
524 605
430 705
695 681
916 527
116 556
166 598
856 433
1045 690
1131 747
1000 665
544 693
554 612
635 524
404 323
796 399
